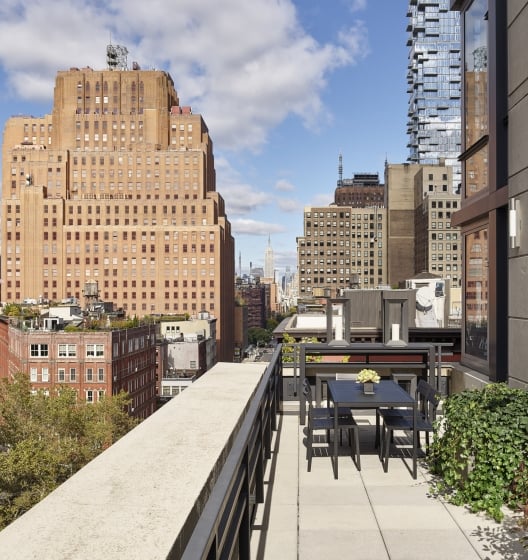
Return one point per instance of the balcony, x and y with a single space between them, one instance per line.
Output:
220 472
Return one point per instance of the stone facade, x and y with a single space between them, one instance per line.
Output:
117 186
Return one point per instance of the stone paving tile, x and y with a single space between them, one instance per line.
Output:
492 539
338 517
368 514
352 544
412 517
333 495
433 544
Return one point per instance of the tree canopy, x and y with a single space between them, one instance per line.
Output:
44 440
258 336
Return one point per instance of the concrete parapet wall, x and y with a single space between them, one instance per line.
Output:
137 498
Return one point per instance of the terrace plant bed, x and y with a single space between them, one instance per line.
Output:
479 455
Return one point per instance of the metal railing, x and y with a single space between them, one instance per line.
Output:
185 488
223 529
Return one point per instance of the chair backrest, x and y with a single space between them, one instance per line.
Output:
307 392
352 376
428 399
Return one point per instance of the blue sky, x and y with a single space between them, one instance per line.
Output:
284 86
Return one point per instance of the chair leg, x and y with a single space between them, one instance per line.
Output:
386 442
381 441
355 448
309 450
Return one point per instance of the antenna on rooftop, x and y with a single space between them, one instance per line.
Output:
340 170
116 57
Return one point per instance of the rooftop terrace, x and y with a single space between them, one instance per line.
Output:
220 472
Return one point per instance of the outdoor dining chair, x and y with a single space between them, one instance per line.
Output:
322 419
322 411
396 419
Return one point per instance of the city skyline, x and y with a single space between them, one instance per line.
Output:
280 102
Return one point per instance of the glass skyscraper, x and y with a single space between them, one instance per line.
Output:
434 85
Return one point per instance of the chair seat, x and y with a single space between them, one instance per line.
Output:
386 414
324 411
404 422
327 423
394 412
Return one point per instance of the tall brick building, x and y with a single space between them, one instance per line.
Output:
343 244
117 186
94 363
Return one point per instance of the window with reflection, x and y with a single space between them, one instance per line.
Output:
476 172
476 293
476 92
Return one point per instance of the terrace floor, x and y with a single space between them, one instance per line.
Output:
368 514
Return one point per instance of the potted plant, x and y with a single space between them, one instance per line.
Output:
368 377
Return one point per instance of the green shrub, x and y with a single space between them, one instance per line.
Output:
480 453
287 348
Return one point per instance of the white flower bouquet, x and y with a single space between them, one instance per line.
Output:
368 376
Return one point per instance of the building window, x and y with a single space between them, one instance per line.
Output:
101 375
61 375
476 293
94 350
39 350
33 374
89 374
89 396
67 350
476 94
45 375
73 374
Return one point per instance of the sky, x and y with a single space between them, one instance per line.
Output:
284 86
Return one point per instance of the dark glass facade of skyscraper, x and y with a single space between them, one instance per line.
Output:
434 85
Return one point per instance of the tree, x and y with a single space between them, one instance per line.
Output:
44 440
12 309
258 336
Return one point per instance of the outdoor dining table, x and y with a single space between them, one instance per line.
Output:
387 394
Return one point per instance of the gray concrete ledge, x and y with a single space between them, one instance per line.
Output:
138 497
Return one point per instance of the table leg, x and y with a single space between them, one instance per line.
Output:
336 440
377 438
415 441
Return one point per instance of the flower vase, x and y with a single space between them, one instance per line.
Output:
368 388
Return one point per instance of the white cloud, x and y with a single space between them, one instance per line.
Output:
243 199
289 205
322 199
240 197
255 227
356 5
283 259
284 186
245 66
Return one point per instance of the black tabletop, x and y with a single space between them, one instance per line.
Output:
386 393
